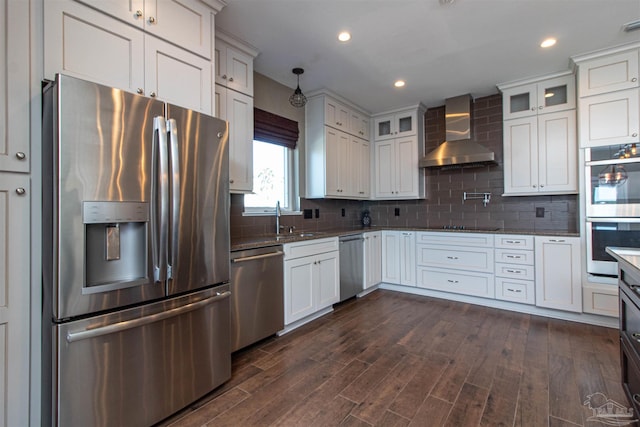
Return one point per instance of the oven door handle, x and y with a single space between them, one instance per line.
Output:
616 219
135 323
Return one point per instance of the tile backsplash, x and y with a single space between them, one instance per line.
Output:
444 204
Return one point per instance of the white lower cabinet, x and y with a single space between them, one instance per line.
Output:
399 257
600 299
558 274
372 258
515 268
456 262
311 277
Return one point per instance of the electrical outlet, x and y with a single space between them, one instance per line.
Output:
343 213
307 213
317 213
539 212
396 212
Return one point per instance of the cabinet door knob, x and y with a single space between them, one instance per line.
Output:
230 79
535 186
219 134
634 134
138 13
140 91
152 94
20 155
224 77
20 191
635 79
152 20
533 108
231 181
540 107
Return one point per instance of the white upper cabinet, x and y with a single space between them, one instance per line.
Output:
396 125
609 97
610 118
14 86
336 115
233 63
547 96
609 73
187 23
85 43
338 158
359 125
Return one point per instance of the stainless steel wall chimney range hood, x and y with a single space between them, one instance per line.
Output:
459 150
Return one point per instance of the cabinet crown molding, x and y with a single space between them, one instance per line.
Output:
535 79
577 59
346 102
237 43
420 107
216 5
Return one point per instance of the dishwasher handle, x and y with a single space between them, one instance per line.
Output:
256 257
351 239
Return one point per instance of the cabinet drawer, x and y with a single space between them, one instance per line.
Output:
462 258
630 373
516 271
602 300
514 241
461 282
514 256
515 290
455 238
310 247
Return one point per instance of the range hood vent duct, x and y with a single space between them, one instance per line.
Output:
459 150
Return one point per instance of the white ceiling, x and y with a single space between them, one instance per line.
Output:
441 51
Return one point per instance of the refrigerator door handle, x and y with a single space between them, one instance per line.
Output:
135 323
159 194
172 131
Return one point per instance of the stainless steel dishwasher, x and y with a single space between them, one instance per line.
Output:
351 265
257 295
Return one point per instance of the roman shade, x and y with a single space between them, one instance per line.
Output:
274 129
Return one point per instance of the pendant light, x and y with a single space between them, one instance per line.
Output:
298 99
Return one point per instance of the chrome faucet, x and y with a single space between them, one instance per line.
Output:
278 217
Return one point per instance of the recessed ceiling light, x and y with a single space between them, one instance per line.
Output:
399 83
548 42
344 36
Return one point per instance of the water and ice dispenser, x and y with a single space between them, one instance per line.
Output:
116 239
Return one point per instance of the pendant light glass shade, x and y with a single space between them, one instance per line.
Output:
297 99
613 175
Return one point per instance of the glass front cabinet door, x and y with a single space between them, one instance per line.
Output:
395 125
547 96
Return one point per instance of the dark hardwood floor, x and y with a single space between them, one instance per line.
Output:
394 359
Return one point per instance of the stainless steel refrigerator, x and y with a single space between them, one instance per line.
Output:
135 256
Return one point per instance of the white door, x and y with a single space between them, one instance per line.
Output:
84 43
407 167
391 257
557 152
177 76
362 165
385 158
521 155
610 119
558 276
328 280
240 118
298 288
337 166
408 258
14 81
239 70
14 298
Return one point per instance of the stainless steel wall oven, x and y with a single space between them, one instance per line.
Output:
612 175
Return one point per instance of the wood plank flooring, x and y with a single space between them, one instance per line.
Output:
394 359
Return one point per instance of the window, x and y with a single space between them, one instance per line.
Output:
274 144
273 179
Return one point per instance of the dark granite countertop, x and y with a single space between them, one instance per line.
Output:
271 239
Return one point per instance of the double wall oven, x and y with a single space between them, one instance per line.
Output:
612 203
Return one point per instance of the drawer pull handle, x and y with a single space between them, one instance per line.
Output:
514 271
452 281
636 336
557 240
514 256
514 290
513 241
452 257
636 398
